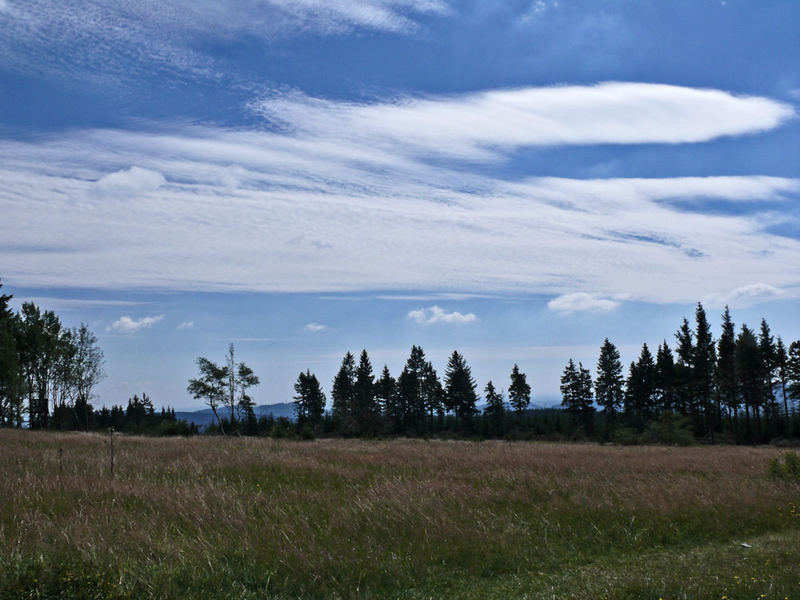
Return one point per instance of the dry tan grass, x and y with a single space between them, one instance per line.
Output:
321 517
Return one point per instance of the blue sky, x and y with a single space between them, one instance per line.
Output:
517 180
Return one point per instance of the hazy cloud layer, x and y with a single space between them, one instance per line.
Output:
126 324
748 295
314 327
349 205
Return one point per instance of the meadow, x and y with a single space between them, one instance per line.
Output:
243 517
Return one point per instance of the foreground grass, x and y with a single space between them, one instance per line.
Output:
255 518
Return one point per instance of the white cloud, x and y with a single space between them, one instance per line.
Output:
185 325
126 324
479 125
318 209
582 302
314 327
128 183
747 295
436 314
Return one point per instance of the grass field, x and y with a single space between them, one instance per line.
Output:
260 518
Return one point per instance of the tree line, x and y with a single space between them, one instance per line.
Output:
743 387
48 373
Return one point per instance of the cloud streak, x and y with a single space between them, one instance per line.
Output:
126 324
582 302
436 314
478 125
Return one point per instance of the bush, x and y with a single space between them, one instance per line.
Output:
671 429
789 469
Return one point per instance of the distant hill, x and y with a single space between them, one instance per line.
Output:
205 416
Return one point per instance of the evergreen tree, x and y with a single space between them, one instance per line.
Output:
749 375
576 394
726 367
343 393
519 392
433 392
684 371
608 385
793 371
411 388
386 394
665 379
767 351
460 387
640 397
309 399
365 409
705 358
494 410
781 370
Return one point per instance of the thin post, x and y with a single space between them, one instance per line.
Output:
60 462
111 439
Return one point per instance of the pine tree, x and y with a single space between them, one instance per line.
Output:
705 359
411 388
781 366
519 392
684 370
494 409
460 387
793 371
641 390
749 375
343 394
665 379
608 385
385 391
726 366
309 400
766 348
365 409
576 394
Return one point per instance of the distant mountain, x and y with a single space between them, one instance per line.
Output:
205 416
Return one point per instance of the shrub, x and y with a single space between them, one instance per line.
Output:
788 469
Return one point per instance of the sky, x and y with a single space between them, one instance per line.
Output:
516 180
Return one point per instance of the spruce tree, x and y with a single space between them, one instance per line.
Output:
705 359
494 409
519 392
385 391
309 399
749 375
365 409
684 370
641 390
665 379
608 384
766 348
460 387
781 370
343 392
725 372
793 371
576 394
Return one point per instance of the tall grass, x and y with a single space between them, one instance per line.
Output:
245 517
